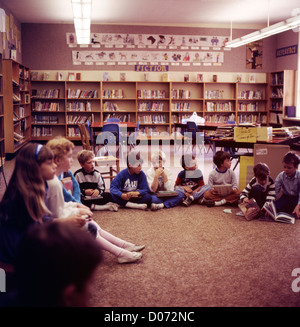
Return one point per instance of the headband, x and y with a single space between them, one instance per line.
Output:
37 150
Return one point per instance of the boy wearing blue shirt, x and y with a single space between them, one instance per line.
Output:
130 188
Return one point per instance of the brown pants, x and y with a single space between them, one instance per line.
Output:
231 198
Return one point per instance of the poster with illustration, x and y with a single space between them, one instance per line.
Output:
254 54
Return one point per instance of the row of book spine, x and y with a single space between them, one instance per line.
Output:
73 132
219 106
79 106
250 95
123 118
179 118
219 118
110 106
250 118
151 94
45 106
181 94
151 106
152 119
214 94
113 94
74 119
82 94
181 106
45 119
45 93
248 106
38 131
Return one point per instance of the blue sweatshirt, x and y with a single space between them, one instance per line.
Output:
125 182
75 195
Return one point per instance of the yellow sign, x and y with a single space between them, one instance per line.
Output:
245 134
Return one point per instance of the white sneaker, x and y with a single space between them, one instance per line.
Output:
135 257
156 206
135 248
113 207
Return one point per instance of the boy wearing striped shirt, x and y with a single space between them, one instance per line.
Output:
261 187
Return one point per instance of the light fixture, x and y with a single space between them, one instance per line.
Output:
82 10
280 27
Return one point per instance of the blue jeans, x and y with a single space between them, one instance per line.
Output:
196 195
169 202
286 203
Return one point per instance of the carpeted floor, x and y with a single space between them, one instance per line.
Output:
196 257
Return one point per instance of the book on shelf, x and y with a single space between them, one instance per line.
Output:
71 76
215 78
46 76
18 137
78 76
251 78
146 76
123 77
273 215
186 77
250 209
223 190
59 76
34 76
238 78
105 76
199 77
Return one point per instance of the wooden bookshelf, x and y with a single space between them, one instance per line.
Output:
281 94
17 108
156 105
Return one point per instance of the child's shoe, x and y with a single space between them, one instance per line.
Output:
135 248
156 206
208 203
135 257
187 202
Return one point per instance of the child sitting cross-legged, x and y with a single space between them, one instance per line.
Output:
261 187
190 181
92 185
220 176
130 188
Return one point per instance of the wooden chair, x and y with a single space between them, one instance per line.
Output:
85 136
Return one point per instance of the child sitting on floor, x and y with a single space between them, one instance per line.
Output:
91 184
261 187
160 179
130 188
220 176
288 183
190 181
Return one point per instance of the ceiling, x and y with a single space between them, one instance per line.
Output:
243 13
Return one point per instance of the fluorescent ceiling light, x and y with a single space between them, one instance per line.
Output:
265 32
82 10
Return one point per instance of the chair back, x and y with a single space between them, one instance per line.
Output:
111 120
192 128
110 134
85 137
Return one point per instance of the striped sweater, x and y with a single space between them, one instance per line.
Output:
269 189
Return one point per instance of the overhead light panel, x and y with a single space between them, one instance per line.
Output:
82 11
265 32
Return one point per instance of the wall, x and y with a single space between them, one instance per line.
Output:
45 48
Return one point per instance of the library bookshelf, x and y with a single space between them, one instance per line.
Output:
281 94
58 106
17 109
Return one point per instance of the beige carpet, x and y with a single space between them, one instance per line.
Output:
199 256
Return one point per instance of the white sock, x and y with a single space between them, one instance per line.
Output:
191 197
132 205
108 206
220 203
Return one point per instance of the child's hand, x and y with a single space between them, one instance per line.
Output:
159 171
85 212
234 190
89 192
134 194
95 193
75 220
297 210
246 200
213 191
